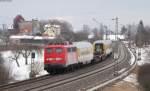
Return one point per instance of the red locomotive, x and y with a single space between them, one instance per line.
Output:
61 56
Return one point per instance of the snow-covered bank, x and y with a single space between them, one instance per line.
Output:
130 83
144 56
22 72
132 78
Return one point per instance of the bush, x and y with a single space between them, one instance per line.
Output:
144 77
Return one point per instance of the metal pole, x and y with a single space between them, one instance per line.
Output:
116 49
116 61
117 26
117 43
32 73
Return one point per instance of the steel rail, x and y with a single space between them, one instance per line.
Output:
53 84
98 86
66 81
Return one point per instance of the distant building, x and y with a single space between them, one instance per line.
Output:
113 37
29 27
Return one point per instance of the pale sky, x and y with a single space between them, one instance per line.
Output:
78 12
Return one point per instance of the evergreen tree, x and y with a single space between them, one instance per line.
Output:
123 30
141 35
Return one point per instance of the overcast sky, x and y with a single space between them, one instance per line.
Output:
78 12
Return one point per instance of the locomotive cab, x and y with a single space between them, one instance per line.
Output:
98 49
54 57
102 49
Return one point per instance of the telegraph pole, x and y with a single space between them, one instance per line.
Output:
116 27
116 49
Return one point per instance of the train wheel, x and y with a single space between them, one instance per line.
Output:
52 72
72 68
67 69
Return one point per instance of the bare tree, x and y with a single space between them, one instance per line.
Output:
140 38
123 30
82 34
16 54
97 34
26 51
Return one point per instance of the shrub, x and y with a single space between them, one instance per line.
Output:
144 76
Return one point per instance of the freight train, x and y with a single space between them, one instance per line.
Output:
71 55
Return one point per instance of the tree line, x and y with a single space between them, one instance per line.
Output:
138 34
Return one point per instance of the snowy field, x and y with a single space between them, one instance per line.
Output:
143 58
22 72
130 83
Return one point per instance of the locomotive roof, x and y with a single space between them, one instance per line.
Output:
60 45
82 44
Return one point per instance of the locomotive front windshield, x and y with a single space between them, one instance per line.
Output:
59 50
49 50
98 47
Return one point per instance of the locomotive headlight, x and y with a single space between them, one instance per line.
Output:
50 59
58 58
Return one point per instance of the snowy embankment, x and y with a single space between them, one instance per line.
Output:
132 78
130 83
143 58
123 72
22 72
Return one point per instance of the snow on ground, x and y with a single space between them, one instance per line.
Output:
43 72
130 83
145 55
132 57
143 59
22 72
132 78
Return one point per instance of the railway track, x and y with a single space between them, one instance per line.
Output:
63 84
53 82
35 80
